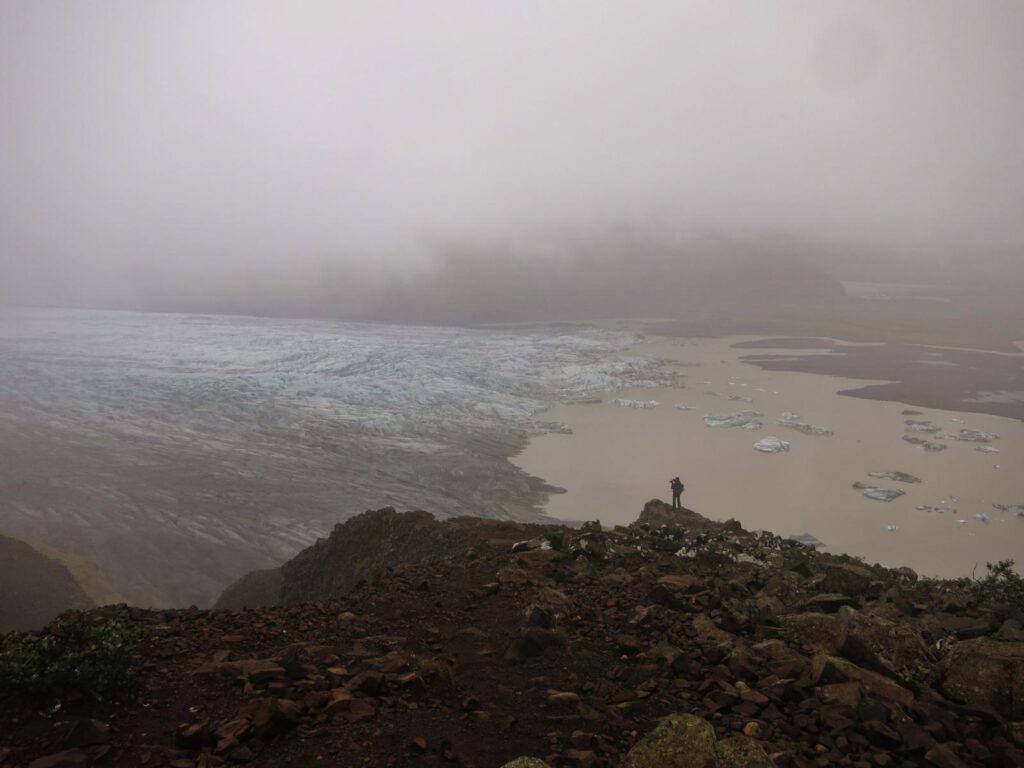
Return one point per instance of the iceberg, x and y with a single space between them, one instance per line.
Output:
974 436
878 494
986 449
771 445
917 425
934 447
624 403
792 420
744 419
899 477
1017 508
808 540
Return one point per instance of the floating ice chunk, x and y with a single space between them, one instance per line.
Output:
745 419
974 436
624 403
917 425
878 494
982 517
986 449
914 440
1018 508
892 527
740 398
679 407
792 420
771 445
555 427
899 477
934 447
808 540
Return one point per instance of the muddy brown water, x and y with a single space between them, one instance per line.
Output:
617 457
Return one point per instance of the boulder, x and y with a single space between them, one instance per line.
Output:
987 673
550 607
657 513
832 669
679 741
815 632
675 591
846 579
526 762
741 752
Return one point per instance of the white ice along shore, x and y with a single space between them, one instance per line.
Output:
207 446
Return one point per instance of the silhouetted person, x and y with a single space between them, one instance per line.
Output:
677 491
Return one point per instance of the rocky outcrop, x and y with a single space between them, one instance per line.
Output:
355 551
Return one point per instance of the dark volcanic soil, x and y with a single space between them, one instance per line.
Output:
931 377
569 653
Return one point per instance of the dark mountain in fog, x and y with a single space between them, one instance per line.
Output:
625 274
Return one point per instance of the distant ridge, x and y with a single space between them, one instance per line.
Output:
34 588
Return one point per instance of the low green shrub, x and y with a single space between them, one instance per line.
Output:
1002 588
77 652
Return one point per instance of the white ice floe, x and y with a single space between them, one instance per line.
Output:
982 517
878 494
892 527
808 540
745 419
680 407
624 403
792 420
771 445
974 436
899 477
986 449
1018 509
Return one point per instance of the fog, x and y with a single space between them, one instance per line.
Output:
352 159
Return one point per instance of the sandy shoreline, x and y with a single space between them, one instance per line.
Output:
616 457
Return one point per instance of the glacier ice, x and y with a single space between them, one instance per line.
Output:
746 419
209 446
643 404
792 420
771 445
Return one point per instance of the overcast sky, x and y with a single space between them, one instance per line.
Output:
186 140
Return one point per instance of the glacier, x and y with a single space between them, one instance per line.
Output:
180 451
